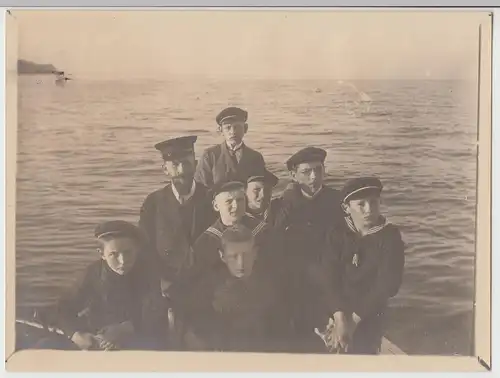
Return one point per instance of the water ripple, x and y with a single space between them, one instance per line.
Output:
86 154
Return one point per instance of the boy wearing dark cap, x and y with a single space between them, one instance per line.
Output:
174 216
231 160
259 193
307 200
308 209
371 252
117 304
236 306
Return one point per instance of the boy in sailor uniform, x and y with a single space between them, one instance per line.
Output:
116 304
259 190
230 202
308 210
371 254
236 306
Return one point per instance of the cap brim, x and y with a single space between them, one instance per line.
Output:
128 234
271 180
232 118
109 233
362 191
256 178
176 154
228 187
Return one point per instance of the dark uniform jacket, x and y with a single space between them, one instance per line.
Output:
271 214
230 314
103 298
372 266
172 228
276 231
218 165
369 274
306 223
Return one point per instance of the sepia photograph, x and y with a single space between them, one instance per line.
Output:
275 182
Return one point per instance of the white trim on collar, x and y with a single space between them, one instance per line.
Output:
360 189
184 198
372 230
264 215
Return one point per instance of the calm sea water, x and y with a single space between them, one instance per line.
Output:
86 154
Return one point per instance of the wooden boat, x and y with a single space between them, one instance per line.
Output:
61 78
389 347
30 332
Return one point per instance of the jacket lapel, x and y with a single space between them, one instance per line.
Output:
230 159
171 212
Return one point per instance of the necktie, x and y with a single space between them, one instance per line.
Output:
236 154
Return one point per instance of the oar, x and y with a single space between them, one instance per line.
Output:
40 326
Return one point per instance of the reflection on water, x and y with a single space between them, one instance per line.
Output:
86 154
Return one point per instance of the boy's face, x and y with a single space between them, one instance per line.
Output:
309 176
239 258
258 196
364 211
120 254
233 132
230 205
181 170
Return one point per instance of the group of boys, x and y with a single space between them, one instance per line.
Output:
217 264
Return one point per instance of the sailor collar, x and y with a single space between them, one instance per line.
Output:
371 231
265 215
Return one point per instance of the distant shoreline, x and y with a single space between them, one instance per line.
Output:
26 67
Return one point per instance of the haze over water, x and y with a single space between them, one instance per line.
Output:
86 155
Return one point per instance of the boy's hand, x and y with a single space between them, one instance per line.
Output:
115 334
83 340
104 344
341 331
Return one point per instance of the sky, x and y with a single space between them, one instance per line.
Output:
253 43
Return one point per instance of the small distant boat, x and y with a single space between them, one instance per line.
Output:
61 78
